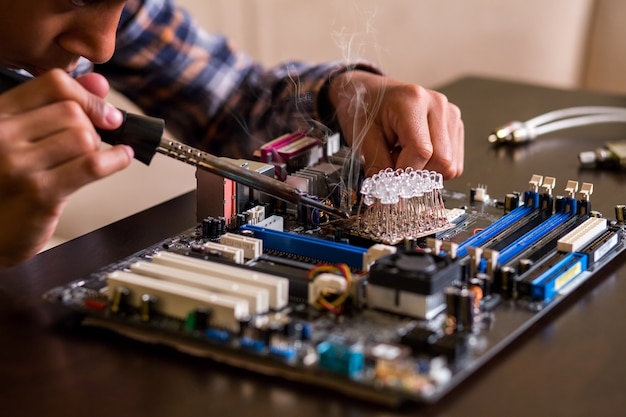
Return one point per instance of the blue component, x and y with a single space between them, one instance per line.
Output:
532 236
252 344
340 358
547 285
309 247
307 331
494 229
531 199
283 352
217 335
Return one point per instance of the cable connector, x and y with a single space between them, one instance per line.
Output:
513 132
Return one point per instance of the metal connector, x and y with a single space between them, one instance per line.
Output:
513 132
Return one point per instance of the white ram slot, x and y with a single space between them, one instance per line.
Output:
178 300
257 298
228 252
278 287
582 235
252 247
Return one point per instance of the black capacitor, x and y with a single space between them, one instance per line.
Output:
452 305
559 204
484 282
511 202
465 319
525 265
202 318
220 226
207 227
507 276
620 213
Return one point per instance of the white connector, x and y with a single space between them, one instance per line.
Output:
277 287
257 298
252 247
376 252
325 283
228 252
273 222
178 300
582 235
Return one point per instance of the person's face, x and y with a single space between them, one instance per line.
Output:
38 35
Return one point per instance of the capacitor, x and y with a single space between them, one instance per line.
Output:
209 228
199 319
507 276
465 319
620 213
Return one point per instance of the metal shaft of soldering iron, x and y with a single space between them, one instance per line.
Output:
252 179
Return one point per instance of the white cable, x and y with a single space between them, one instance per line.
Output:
579 121
573 111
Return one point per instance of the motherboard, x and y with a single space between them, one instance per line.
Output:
402 301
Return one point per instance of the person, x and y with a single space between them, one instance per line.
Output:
211 95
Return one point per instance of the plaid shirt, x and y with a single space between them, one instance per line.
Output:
211 96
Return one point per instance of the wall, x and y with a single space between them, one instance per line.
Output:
430 42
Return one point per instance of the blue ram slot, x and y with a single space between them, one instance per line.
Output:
310 247
531 237
547 285
494 229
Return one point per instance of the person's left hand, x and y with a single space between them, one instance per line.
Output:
398 125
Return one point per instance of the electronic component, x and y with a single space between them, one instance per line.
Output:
178 300
330 304
277 287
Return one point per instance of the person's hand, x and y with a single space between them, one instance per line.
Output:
48 149
398 125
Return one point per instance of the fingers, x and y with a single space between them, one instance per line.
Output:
56 86
432 137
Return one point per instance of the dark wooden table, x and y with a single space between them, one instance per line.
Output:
571 364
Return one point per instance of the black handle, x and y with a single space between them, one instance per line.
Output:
142 133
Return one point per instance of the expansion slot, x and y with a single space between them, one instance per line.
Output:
531 237
277 287
582 235
257 298
494 229
601 246
557 272
546 244
312 248
252 248
178 300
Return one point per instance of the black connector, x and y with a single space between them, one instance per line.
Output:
142 133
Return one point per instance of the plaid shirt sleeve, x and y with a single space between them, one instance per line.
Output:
212 96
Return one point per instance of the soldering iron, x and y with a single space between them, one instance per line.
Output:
145 135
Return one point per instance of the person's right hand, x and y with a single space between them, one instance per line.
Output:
49 148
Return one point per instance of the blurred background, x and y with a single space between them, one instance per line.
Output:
556 43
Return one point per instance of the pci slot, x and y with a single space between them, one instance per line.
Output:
601 246
257 298
582 235
545 286
531 237
312 248
178 300
277 287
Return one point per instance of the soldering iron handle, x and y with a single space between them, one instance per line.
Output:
142 133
